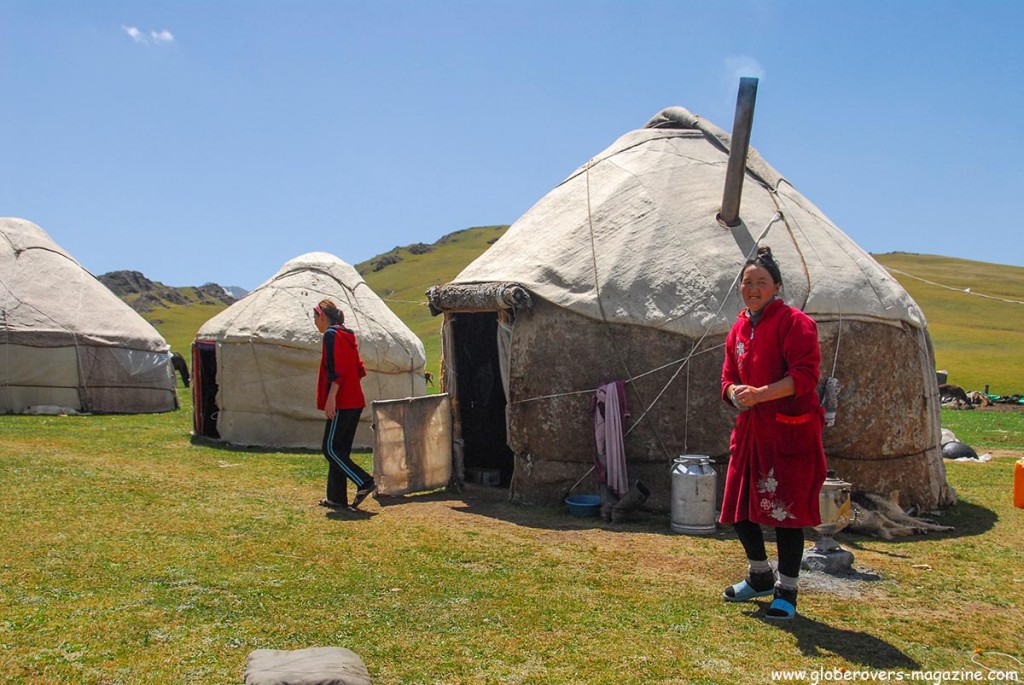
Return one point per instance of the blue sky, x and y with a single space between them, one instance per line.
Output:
213 141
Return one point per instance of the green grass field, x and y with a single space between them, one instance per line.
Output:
131 555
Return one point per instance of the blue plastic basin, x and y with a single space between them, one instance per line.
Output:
584 505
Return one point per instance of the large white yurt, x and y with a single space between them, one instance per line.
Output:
66 341
255 364
623 272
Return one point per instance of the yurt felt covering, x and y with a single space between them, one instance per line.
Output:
268 353
66 341
633 278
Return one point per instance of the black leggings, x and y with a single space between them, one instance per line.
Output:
339 434
790 543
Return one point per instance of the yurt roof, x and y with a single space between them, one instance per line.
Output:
47 299
632 237
280 312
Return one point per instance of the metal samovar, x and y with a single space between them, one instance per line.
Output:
836 513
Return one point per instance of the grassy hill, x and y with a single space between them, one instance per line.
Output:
975 316
978 337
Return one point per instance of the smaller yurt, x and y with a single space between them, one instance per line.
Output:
67 343
255 364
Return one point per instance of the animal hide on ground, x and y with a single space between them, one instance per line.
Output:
882 517
979 399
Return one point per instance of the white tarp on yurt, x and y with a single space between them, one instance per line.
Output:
268 353
66 340
637 241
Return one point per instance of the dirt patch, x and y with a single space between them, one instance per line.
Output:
857 582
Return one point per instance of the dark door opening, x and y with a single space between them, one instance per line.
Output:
481 397
204 388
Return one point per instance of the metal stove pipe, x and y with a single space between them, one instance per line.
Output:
736 170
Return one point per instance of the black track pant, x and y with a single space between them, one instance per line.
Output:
790 543
337 447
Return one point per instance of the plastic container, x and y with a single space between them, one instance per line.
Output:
1018 484
584 506
694 488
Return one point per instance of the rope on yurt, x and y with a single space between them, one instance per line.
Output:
593 246
5 396
600 303
7 350
4 307
680 363
636 389
83 374
829 397
753 250
965 291
686 413
681 360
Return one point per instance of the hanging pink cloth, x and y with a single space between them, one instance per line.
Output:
610 413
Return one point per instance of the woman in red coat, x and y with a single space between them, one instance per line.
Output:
340 395
777 462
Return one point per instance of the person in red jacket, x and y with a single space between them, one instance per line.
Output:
776 461
339 395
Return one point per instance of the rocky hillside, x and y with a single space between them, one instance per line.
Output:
144 295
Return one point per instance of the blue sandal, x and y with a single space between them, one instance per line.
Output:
783 607
743 591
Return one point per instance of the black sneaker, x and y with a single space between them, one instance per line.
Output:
362 493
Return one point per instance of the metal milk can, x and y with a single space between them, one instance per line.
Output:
694 489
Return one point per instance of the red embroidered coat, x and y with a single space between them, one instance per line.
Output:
777 462
340 363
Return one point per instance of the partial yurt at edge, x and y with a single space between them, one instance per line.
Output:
623 272
255 363
66 341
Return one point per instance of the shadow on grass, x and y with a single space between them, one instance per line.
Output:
493 502
817 639
203 441
969 520
348 514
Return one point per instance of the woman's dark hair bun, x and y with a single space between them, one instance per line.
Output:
765 259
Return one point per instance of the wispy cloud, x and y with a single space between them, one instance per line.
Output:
135 34
163 37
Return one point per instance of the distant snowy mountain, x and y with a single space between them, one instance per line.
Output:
235 292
